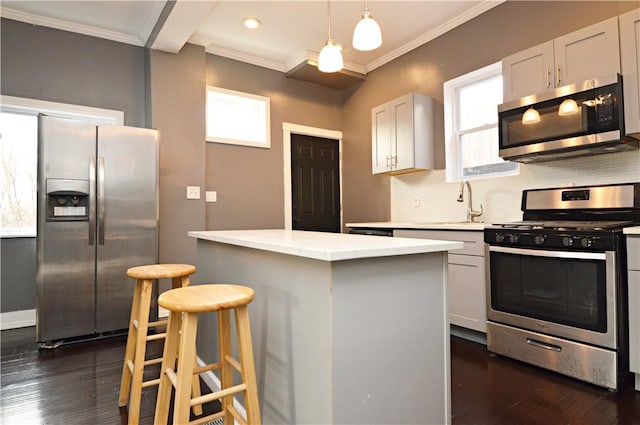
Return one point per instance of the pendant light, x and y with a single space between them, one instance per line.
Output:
530 116
330 58
367 34
568 107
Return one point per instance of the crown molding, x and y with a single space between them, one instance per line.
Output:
242 57
60 24
436 32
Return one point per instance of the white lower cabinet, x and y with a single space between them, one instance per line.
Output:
633 255
466 284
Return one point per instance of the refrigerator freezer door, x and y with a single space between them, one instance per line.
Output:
127 185
65 259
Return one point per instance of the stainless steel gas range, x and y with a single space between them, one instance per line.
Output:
556 281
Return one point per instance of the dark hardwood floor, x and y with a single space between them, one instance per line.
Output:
79 384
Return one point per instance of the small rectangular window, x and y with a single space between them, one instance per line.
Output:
471 125
237 118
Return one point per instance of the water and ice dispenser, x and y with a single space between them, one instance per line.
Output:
67 200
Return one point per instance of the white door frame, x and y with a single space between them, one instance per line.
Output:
287 130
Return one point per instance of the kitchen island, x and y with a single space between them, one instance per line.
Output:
345 328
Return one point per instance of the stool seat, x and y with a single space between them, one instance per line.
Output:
161 271
135 360
177 371
206 298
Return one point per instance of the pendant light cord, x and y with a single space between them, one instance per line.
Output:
329 16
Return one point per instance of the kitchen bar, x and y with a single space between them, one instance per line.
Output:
346 328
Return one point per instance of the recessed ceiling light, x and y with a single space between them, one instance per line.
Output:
251 23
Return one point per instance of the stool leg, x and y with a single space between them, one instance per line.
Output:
182 282
168 362
125 382
140 349
184 375
226 372
245 352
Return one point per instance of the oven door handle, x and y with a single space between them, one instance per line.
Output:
546 253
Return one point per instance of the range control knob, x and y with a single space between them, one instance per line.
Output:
499 238
586 242
539 239
513 238
567 241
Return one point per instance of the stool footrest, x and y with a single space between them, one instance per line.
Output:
156 337
153 361
206 368
236 415
234 363
158 323
146 384
218 394
204 420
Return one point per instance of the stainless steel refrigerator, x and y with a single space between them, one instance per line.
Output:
97 216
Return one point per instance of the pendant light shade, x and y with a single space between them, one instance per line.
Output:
367 35
530 116
330 58
568 107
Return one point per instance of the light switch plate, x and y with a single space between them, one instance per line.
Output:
193 192
211 196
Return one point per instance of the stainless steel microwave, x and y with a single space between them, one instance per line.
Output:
573 120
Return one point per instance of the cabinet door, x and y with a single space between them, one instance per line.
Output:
634 321
528 72
630 58
467 292
587 53
381 138
402 139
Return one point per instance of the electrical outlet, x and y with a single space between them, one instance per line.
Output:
193 192
416 200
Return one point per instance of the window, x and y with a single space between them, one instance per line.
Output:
237 118
18 160
471 125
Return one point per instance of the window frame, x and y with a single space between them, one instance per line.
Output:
264 102
33 107
453 160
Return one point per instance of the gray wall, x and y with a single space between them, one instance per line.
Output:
58 66
511 27
249 181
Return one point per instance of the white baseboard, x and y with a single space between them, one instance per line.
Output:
213 383
17 319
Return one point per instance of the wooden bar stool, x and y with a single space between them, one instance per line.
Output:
184 304
132 383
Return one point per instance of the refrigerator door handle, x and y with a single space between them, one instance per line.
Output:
92 200
101 206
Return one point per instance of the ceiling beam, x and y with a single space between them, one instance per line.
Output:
180 24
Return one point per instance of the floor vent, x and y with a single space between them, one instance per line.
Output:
216 422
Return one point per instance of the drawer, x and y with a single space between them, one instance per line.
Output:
473 241
633 252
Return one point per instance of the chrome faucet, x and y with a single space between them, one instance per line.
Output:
471 214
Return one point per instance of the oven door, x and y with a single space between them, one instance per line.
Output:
561 293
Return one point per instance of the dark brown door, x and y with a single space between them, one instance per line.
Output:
315 184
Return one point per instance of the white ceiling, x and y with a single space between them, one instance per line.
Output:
291 31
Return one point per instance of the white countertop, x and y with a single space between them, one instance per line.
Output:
325 246
453 225
635 230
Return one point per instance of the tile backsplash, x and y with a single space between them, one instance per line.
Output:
500 197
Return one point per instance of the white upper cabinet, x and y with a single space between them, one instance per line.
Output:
402 135
587 53
630 56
